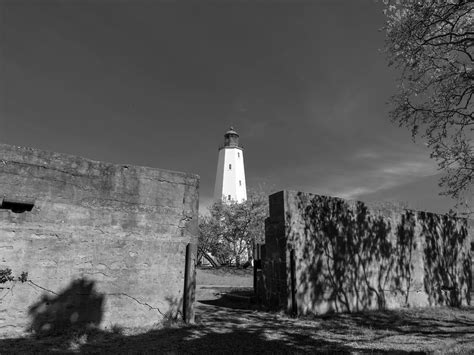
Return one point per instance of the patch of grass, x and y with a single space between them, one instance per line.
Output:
171 320
228 270
116 329
77 341
225 275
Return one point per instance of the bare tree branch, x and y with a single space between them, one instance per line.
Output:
432 43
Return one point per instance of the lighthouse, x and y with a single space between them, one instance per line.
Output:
230 177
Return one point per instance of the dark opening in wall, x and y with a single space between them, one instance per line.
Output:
17 206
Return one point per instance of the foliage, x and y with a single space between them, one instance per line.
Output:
233 228
6 276
23 277
211 242
432 42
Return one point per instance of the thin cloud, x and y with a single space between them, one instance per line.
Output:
410 168
353 193
377 176
365 154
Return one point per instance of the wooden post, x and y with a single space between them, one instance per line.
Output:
257 265
294 308
189 283
255 246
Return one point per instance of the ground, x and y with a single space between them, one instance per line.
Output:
227 322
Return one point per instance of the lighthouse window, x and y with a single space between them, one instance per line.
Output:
238 155
240 182
230 166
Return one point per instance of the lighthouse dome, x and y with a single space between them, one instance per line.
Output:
231 131
231 138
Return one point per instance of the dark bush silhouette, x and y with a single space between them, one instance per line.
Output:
79 306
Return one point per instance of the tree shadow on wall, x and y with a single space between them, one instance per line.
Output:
447 265
347 257
353 260
77 307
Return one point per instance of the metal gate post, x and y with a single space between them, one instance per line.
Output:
189 283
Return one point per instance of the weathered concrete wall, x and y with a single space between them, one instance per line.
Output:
325 254
103 243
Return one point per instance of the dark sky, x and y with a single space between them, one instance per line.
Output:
158 83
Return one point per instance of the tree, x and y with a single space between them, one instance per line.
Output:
233 229
211 244
432 42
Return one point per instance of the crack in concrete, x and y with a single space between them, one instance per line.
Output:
136 300
87 202
108 294
8 292
41 287
47 168
49 178
169 181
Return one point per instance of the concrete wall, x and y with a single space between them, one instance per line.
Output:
103 243
325 254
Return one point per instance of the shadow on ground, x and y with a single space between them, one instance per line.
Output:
233 298
233 325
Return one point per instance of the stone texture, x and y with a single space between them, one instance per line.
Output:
115 235
325 254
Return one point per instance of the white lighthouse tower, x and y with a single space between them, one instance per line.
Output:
230 176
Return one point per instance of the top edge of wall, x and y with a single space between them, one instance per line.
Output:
50 157
393 205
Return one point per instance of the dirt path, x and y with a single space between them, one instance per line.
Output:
440 330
